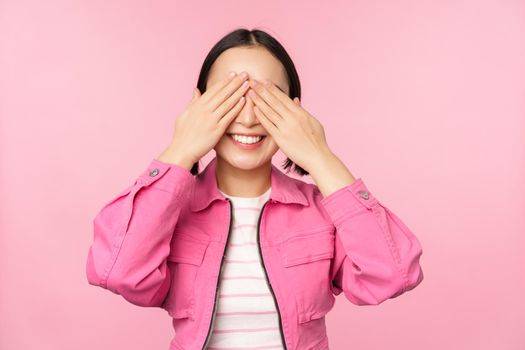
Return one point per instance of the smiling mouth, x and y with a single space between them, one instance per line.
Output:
240 140
230 134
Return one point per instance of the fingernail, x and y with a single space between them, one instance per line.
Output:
244 75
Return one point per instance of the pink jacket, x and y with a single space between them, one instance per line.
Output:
161 243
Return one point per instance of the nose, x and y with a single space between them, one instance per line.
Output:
247 116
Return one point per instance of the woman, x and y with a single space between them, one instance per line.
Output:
241 255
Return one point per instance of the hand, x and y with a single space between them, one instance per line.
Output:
205 119
297 133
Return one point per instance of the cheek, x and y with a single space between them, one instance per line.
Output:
223 141
272 145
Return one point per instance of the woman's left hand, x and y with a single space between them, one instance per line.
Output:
297 133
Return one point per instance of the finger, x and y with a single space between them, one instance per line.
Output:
266 123
279 94
196 94
266 109
212 90
232 100
228 117
270 98
223 94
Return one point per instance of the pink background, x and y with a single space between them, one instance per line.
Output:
425 100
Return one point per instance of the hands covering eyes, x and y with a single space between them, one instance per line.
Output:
297 133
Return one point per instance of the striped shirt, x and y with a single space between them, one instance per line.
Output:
246 315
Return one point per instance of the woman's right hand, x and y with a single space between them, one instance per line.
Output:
205 119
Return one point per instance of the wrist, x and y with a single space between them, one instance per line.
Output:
320 160
173 156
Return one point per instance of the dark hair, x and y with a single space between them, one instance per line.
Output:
244 38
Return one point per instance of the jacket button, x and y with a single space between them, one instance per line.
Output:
363 194
154 172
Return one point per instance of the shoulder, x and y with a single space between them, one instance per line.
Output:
309 190
313 215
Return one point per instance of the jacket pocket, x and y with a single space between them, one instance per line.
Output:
306 259
184 261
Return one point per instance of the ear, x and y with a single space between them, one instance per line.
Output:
297 101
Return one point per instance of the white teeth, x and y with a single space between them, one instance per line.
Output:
246 139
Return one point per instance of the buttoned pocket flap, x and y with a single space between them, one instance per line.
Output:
307 248
186 249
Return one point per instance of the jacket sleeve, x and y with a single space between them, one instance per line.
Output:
376 255
132 234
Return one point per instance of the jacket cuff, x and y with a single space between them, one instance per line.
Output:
168 177
349 200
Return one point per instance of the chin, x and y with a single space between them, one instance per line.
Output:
245 163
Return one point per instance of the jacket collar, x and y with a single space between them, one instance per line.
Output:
284 189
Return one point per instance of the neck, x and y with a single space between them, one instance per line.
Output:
241 182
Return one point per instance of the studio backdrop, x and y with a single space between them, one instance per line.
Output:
424 101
